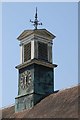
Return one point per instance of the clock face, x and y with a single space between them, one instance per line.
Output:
25 79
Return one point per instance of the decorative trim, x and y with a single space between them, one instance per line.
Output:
36 61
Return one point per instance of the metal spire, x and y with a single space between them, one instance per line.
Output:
36 22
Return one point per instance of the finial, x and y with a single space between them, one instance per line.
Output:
36 22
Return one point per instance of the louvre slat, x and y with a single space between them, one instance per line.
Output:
42 51
27 52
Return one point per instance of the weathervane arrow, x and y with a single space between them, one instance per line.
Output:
36 22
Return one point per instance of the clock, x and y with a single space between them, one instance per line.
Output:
25 79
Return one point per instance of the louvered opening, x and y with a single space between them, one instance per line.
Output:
42 51
27 52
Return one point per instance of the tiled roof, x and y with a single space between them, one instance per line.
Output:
63 104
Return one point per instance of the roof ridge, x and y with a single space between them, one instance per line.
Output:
69 87
7 106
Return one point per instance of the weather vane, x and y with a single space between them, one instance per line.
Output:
36 22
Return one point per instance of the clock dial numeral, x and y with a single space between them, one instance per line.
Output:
25 79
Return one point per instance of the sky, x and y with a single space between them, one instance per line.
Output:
0 55
59 18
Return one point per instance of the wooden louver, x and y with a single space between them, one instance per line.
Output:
27 52
42 51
